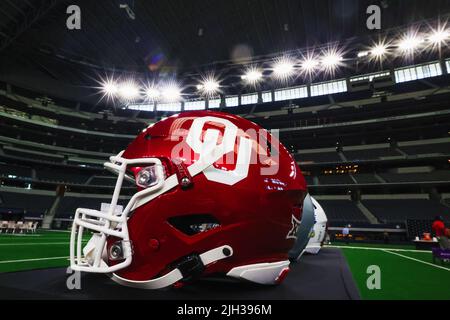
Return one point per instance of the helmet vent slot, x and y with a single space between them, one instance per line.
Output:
194 224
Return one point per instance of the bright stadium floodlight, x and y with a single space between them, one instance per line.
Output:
283 68
379 50
252 76
110 88
209 86
409 43
331 60
309 65
128 91
152 93
171 92
439 37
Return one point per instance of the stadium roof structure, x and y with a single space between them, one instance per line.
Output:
190 34
184 38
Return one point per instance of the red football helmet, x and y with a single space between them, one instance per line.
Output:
216 194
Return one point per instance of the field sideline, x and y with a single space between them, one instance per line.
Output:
405 272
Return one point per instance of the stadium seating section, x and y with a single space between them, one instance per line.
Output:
438 148
369 154
33 204
46 145
388 210
69 205
440 175
366 178
343 212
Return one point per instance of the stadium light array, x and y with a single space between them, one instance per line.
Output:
331 60
209 86
171 92
152 93
110 88
287 66
252 76
129 91
410 42
283 68
379 50
439 37
309 64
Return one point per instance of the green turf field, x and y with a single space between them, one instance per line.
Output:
45 249
405 272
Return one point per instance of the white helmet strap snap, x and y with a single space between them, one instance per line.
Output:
176 274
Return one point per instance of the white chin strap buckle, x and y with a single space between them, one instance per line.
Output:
187 269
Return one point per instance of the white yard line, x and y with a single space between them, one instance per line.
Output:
33 244
370 248
20 235
36 259
30 238
36 243
416 260
395 252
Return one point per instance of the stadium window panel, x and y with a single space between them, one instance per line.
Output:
232 101
447 64
407 75
328 88
435 70
266 96
411 74
418 72
291 93
423 73
142 107
400 76
249 99
214 103
195 105
343 86
172 106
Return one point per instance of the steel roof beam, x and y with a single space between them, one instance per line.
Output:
31 18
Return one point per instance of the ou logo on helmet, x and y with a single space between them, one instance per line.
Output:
211 141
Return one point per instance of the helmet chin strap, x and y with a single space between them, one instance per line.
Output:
176 274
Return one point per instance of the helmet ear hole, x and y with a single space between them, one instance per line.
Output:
194 224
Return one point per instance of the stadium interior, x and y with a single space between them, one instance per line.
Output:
371 138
